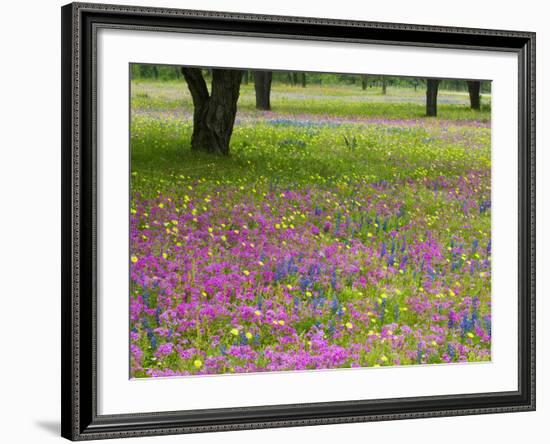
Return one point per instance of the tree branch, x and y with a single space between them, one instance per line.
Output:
197 85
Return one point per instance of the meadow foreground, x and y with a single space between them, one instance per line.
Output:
328 239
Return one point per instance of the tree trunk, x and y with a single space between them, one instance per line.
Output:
143 73
474 87
304 81
431 97
364 79
245 77
290 79
384 86
214 113
262 85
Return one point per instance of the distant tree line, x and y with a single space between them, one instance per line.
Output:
302 79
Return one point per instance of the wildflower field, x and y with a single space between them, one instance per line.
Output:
344 230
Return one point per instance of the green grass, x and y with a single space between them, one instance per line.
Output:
161 149
330 101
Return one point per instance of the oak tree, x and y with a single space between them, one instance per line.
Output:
214 113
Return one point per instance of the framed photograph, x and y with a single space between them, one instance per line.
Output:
282 221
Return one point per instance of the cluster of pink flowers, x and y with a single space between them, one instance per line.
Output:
229 279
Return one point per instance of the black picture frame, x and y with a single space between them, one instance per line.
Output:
80 420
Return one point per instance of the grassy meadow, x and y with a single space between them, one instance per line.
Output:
344 230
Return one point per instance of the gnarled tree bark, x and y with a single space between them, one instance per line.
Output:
431 97
214 113
474 87
262 85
